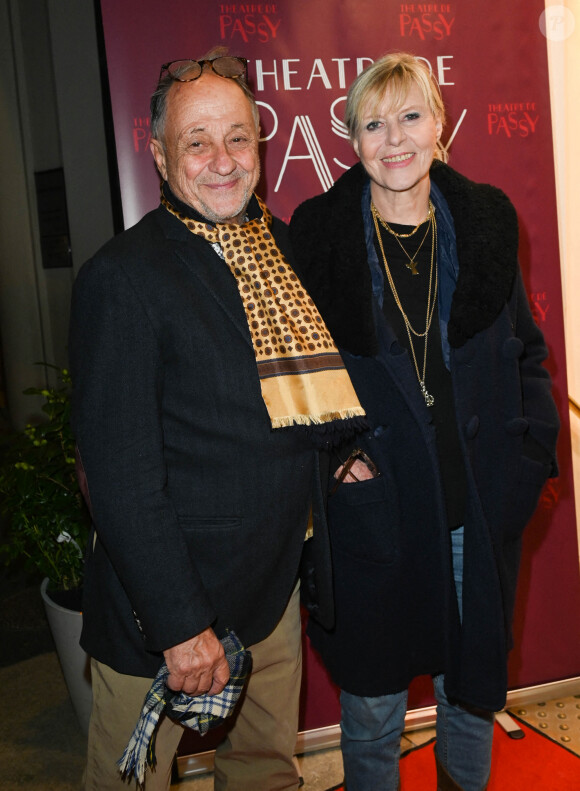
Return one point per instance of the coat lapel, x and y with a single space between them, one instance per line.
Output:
399 367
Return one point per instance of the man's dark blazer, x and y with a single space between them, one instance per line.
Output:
200 508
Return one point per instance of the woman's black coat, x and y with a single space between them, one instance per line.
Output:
395 611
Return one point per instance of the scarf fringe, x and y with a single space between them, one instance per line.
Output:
133 765
315 420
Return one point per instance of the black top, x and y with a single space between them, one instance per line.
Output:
413 290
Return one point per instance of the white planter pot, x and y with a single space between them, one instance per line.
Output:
66 626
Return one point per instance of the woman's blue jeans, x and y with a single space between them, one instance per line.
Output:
371 729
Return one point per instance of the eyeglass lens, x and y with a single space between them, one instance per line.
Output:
225 66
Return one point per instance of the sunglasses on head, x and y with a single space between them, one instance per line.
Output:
187 70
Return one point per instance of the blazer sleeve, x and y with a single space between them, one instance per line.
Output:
117 374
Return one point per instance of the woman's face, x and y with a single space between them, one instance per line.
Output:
396 145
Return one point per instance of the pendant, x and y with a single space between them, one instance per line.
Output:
412 266
429 400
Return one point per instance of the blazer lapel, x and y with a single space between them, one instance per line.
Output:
209 270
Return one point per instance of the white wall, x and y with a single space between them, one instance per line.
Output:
50 116
21 296
563 38
81 125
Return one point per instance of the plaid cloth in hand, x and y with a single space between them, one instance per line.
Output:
200 713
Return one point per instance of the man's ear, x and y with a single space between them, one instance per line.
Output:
158 152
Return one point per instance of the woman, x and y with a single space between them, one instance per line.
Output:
414 269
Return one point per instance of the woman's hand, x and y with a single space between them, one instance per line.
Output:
359 471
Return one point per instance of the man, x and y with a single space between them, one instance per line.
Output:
199 477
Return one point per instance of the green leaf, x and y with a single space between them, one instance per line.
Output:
40 493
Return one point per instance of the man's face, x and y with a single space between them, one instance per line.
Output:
209 154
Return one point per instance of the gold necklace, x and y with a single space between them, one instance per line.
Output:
398 236
387 227
431 301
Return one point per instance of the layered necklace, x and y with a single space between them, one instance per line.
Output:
429 219
431 292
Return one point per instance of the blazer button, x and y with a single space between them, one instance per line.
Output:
512 348
516 426
472 427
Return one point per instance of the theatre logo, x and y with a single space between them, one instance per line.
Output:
248 22
512 119
539 305
141 134
422 21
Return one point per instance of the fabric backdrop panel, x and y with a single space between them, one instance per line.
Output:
491 61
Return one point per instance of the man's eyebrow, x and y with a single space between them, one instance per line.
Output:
239 125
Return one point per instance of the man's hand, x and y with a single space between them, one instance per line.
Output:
199 665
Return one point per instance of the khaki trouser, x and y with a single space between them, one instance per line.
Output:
257 753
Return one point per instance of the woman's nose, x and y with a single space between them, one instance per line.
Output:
395 134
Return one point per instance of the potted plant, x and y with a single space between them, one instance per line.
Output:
46 525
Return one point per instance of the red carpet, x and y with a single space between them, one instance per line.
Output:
534 762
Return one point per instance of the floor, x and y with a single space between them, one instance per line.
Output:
558 718
319 770
42 747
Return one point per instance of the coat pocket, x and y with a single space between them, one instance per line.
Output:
215 543
210 523
363 520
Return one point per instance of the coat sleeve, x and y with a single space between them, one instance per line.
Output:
539 408
117 373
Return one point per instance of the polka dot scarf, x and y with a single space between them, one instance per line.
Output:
302 376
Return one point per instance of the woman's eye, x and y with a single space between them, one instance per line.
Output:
372 125
412 116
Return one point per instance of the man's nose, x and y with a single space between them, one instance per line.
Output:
222 160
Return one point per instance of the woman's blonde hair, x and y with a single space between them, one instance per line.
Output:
396 73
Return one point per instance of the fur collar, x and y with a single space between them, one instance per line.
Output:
328 239
486 231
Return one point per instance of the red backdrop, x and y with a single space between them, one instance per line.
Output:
490 58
